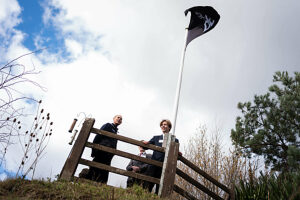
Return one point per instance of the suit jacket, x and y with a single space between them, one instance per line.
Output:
104 140
143 166
143 170
158 141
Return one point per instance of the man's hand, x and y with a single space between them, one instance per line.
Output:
135 168
145 142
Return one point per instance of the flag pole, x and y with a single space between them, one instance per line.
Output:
175 109
203 19
169 137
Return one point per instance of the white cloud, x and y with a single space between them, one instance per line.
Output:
74 47
9 11
3 176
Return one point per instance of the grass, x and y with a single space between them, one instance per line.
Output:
79 189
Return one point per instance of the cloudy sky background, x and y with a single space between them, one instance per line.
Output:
122 57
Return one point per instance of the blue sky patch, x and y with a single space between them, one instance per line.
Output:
32 25
8 173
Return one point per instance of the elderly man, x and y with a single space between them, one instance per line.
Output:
157 140
96 174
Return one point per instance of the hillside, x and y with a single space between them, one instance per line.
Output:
80 189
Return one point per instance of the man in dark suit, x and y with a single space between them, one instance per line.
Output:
157 140
138 167
96 174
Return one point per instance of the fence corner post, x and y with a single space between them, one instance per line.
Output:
71 163
168 178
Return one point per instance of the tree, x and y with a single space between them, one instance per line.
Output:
12 76
15 129
270 126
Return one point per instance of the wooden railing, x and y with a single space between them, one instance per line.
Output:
167 183
199 185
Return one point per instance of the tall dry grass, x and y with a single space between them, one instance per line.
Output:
209 155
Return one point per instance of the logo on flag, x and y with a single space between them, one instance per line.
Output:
203 19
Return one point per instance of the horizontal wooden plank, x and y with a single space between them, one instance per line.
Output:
123 154
183 193
128 140
203 173
118 171
197 184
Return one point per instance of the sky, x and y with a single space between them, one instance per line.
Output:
103 58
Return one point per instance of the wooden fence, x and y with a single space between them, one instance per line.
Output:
167 184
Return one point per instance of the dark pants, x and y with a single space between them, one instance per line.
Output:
100 175
131 181
155 172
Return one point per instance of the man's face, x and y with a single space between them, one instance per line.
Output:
118 120
164 127
141 149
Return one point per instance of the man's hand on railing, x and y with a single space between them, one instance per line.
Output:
145 142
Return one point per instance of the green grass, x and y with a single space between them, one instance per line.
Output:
79 189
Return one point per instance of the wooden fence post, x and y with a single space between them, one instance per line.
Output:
72 161
232 194
166 188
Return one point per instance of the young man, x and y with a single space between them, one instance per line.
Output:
157 140
96 174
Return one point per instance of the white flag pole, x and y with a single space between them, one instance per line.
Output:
175 110
169 138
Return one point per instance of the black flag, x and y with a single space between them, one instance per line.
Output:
203 19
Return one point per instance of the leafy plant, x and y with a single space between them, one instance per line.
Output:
270 186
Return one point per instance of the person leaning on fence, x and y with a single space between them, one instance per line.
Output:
96 174
157 140
138 167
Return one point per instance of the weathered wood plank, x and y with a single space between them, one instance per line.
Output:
203 173
124 154
184 193
197 184
167 180
118 171
127 140
72 161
